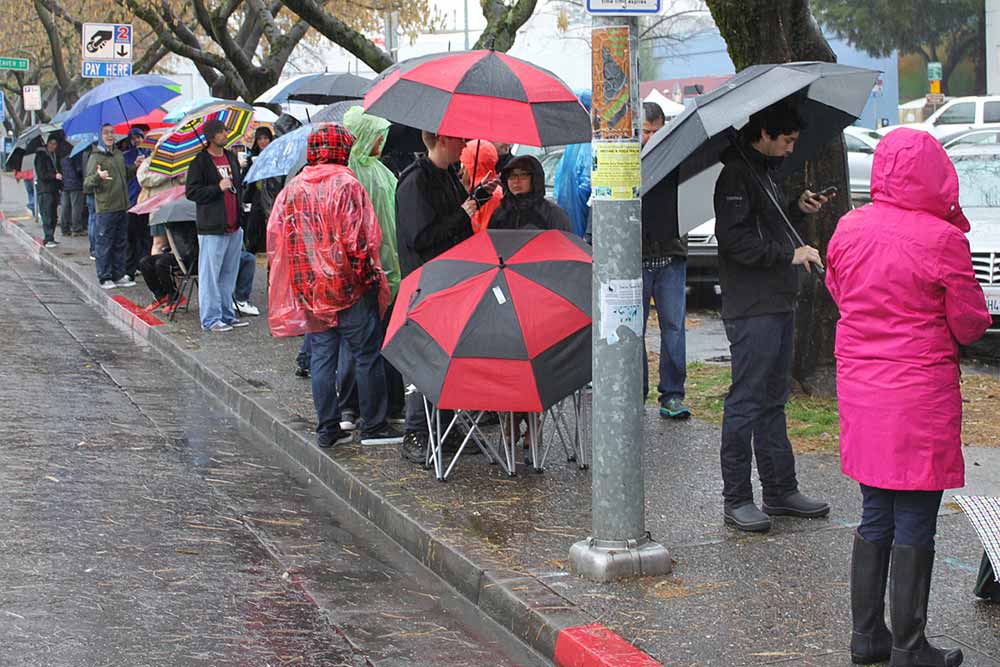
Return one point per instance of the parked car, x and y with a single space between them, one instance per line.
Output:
549 157
959 114
971 138
978 170
861 143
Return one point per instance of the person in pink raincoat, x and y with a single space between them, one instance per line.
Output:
901 273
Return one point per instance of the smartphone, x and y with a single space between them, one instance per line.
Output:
828 191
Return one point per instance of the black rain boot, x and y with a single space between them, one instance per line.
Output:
909 590
871 640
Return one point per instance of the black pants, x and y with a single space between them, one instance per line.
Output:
156 272
48 209
761 349
139 242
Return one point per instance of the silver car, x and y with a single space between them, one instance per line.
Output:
861 143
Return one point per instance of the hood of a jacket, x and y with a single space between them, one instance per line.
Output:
531 164
366 130
911 171
480 158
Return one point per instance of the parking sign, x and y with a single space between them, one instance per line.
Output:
106 49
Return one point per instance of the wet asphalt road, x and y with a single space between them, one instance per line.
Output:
140 527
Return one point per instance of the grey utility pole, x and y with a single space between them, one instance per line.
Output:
619 545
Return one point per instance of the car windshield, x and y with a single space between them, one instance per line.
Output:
979 180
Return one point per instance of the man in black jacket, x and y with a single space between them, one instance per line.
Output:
215 184
72 197
49 176
433 214
758 273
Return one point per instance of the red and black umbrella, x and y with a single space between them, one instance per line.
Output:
500 322
482 95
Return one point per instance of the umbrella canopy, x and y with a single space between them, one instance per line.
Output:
158 200
686 153
149 141
152 120
82 142
334 113
178 210
30 141
280 156
326 88
499 322
119 100
482 94
175 151
179 111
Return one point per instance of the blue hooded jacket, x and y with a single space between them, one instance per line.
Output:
572 182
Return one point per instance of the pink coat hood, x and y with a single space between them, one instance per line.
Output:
901 273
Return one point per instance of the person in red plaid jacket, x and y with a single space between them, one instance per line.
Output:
323 241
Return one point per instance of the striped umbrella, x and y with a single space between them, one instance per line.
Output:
175 151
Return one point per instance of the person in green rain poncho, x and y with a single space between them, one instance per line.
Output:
369 134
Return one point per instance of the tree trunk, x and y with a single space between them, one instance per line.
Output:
772 31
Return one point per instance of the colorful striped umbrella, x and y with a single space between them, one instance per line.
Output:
175 151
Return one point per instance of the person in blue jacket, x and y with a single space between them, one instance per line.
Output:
572 182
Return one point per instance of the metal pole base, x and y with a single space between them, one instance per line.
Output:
610 560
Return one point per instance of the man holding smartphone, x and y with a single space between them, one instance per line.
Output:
759 267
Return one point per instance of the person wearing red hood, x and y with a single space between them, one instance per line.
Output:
326 279
479 161
901 273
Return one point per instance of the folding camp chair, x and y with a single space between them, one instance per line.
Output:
183 240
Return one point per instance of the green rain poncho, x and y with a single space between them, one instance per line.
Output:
378 181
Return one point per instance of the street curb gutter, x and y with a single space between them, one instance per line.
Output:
534 613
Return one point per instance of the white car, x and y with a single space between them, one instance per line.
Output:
979 192
861 143
961 113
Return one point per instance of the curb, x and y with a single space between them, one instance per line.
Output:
534 613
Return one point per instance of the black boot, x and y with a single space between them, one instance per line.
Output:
909 590
871 640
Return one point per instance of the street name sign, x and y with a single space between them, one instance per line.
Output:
623 7
16 64
32 96
106 50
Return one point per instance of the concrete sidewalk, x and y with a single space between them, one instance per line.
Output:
733 598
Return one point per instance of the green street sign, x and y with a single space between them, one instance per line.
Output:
934 71
19 64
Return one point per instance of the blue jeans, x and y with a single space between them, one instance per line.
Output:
901 517
72 213
244 276
29 187
110 245
304 357
359 326
665 286
761 349
218 263
92 224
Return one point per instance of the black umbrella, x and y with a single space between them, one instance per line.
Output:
179 210
334 113
829 97
30 141
326 88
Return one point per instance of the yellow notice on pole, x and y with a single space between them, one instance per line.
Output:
615 175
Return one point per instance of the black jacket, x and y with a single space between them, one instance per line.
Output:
660 237
429 215
755 247
532 210
46 168
202 187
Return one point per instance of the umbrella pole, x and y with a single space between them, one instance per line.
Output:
794 233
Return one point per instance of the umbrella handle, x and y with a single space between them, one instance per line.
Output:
796 237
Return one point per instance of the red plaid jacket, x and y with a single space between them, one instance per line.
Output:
323 244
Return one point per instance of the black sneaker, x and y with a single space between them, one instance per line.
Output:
301 372
338 437
414 448
387 435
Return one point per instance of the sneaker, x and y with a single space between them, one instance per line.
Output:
338 437
674 408
92 258
348 421
156 305
219 327
236 324
247 308
170 308
414 448
51 244
125 281
108 284
387 435
301 372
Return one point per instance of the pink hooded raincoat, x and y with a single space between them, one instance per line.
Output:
901 273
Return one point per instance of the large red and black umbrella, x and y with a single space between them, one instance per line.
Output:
500 322
482 95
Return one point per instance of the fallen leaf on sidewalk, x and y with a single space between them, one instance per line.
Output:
51 478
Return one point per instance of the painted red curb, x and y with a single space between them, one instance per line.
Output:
138 311
597 646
